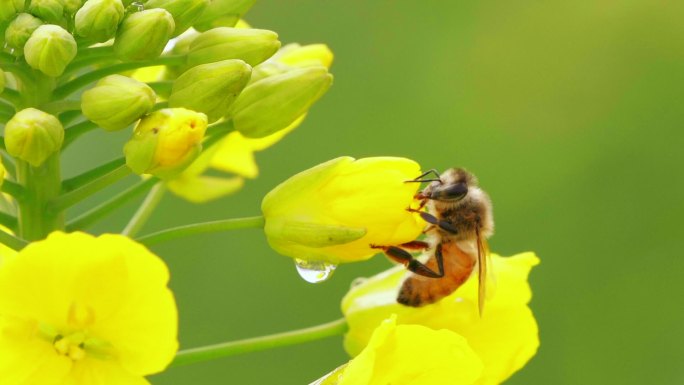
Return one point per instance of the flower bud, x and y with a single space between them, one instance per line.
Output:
19 31
33 135
143 35
50 49
117 101
9 8
210 88
333 212
273 103
296 55
99 19
293 55
253 46
51 11
72 6
165 142
223 13
184 12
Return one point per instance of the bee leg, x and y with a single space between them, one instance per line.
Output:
415 245
402 256
433 220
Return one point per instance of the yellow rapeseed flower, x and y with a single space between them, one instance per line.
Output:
333 212
81 310
409 355
505 337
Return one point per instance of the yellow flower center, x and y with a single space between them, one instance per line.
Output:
72 346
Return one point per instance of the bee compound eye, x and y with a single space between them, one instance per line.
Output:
454 192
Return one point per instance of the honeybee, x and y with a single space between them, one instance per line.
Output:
459 216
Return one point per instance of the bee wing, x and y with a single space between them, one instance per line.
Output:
483 267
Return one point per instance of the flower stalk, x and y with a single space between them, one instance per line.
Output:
227 349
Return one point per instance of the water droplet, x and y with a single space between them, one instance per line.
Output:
314 271
136 6
358 281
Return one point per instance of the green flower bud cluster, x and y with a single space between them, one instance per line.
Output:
76 64
140 31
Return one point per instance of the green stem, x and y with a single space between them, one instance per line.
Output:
162 88
72 197
11 241
42 184
201 228
8 220
7 109
72 86
75 131
160 105
58 106
16 190
12 96
91 216
10 165
91 175
212 352
145 210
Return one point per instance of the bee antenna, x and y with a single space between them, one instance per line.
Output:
420 180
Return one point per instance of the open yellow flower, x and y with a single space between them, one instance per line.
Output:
81 310
333 212
505 337
409 355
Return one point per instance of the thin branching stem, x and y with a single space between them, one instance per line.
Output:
202 228
76 195
145 210
294 337
12 241
98 212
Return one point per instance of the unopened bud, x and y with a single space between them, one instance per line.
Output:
293 55
296 55
165 142
50 49
117 101
273 103
9 8
223 13
72 6
252 46
51 11
19 31
184 12
99 19
143 35
210 88
33 135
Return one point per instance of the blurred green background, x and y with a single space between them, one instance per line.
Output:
569 112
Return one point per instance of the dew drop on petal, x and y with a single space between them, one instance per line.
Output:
314 271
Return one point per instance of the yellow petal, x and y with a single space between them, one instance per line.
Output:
25 359
109 287
92 371
412 355
204 188
235 153
505 337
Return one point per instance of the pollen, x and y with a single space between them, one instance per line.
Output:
71 346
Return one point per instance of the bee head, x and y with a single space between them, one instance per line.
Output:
452 185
